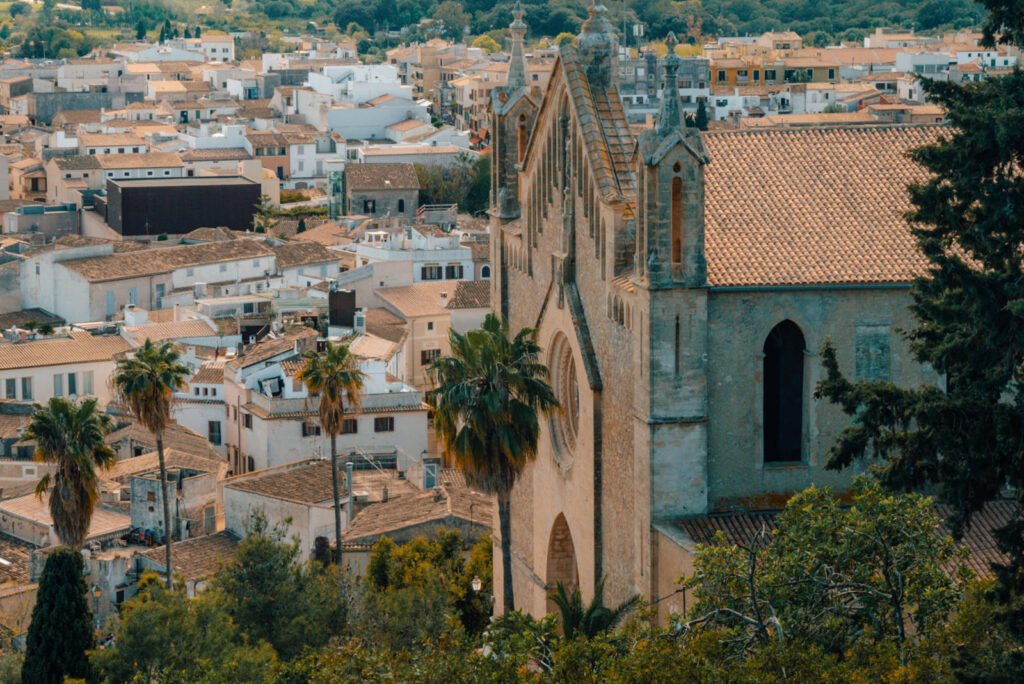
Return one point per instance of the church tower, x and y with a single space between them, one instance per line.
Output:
513 111
670 354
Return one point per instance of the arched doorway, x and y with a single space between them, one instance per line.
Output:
783 393
562 565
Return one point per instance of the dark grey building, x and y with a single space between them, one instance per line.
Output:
179 205
382 189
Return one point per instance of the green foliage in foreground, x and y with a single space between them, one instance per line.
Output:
835 593
61 628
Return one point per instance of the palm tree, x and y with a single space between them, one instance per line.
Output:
334 376
595 618
72 436
486 399
146 383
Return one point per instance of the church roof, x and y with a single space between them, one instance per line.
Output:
606 134
811 206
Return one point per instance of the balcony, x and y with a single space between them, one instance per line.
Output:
371 403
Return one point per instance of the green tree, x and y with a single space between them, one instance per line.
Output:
964 439
140 30
272 596
72 436
301 227
145 383
834 576
565 38
486 401
701 120
19 8
264 217
164 636
46 329
486 43
188 33
61 629
5 32
452 19
334 377
593 619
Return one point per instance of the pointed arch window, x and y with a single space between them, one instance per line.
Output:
677 220
783 403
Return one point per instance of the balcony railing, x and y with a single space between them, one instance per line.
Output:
371 403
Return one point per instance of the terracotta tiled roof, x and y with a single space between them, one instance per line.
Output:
303 252
740 528
386 325
381 177
175 436
227 154
811 206
171 330
110 140
20 318
471 294
209 374
200 557
79 347
419 299
122 470
307 482
77 163
269 347
134 264
369 346
16 553
142 160
105 523
211 235
442 504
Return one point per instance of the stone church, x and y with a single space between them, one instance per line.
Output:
683 284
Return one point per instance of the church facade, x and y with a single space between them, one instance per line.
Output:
682 284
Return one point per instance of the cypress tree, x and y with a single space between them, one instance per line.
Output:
301 228
61 629
963 441
702 116
140 30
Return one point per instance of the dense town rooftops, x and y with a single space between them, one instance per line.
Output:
292 254
148 160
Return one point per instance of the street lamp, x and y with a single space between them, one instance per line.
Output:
477 584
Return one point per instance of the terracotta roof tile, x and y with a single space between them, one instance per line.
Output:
471 294
811 206
133 264
308 482
443 504
79 347
200 557
303 252
382 176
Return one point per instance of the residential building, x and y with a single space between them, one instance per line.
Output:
383 189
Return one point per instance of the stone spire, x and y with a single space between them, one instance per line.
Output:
669 116
597 46
517 64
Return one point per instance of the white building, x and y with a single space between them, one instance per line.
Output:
273 420
68 364
358 83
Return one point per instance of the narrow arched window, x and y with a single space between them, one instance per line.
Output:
783 393
677 220
521 130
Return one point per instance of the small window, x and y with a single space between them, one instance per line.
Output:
247 420
430 325
190 272
310 429
256 263
10 388
427 356
26 389
431 272
386 424
453 272
58 384
196 391
401 205
349 426
150 496
213 430
223 268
